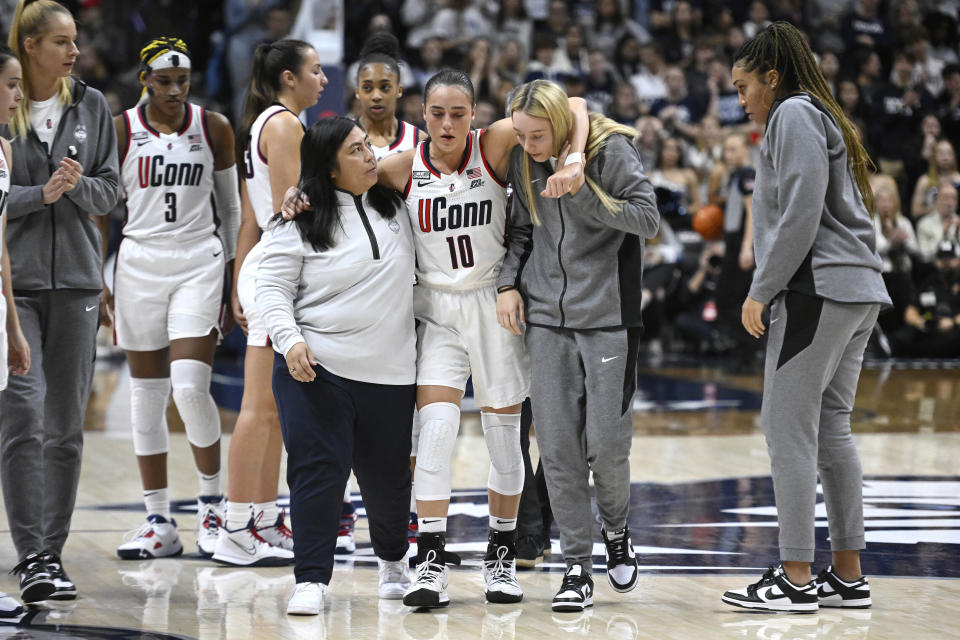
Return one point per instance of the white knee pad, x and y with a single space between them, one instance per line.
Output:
415 434
191 392
501 432
148 409
439 423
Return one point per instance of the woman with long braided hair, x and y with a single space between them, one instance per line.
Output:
819 273
169 284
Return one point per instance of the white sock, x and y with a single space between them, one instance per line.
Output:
157 502
238 515
432 525
209 484
265 513
503 524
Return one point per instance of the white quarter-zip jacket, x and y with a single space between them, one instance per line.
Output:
353 303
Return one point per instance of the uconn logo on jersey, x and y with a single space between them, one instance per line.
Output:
435 215
154 173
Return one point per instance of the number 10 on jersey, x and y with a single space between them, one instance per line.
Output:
461 248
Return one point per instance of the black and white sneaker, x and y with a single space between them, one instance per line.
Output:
576 590
430 582
65 589
622 571
500 568
774 592
834 592
36 584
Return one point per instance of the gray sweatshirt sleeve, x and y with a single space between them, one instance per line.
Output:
99 187
798 150
278 280
621 175
24 200
519 238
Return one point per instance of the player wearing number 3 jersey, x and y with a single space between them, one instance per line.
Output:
178 174
456 199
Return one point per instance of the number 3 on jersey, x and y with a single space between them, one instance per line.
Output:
170 215
463 247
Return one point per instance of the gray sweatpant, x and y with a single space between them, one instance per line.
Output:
582 388
814 355
41 417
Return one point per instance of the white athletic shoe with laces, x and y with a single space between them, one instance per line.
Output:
307 599
156 538
209 521
500 573
278 533
429 588
394 578
246 548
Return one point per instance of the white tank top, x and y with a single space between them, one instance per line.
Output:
458 219
168 179
256 169
407 136
4 193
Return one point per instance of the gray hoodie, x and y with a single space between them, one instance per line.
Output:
57 246
580 268
812 233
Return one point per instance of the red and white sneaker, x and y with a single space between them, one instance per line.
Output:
348 518
245 548
277 534
157 538
209 522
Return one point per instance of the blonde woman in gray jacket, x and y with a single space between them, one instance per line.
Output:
64 170
570 283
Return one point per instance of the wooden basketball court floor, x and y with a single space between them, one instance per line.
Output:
702 519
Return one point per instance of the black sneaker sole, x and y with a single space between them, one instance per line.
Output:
38 591
67 594
426 599
767 606
571 607
502 598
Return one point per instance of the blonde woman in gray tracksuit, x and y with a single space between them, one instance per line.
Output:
572 277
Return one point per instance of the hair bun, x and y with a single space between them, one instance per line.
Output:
381 43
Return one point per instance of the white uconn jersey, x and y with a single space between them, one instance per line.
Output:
168 179
256 171
458 219
407 136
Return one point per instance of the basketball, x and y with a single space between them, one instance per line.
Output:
708 222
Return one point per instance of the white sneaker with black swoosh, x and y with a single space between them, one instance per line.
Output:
245 548
576 590
834 592
774 592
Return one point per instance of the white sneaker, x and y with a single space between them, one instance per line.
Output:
307 599
10 608
277 534
500 573
246 548
209 522
394 578
157 538
429 588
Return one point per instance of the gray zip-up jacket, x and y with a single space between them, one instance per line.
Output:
581 268
812 233
57 246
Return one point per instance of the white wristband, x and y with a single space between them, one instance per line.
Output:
573 158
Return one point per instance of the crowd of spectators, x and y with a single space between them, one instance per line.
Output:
663 67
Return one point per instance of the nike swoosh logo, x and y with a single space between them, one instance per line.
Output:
771 595
499 521
218 253
608 359
774 320
429 521
423 184
140 144
93 307
251 550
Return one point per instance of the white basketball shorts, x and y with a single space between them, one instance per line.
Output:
246 292
458 335
164 293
